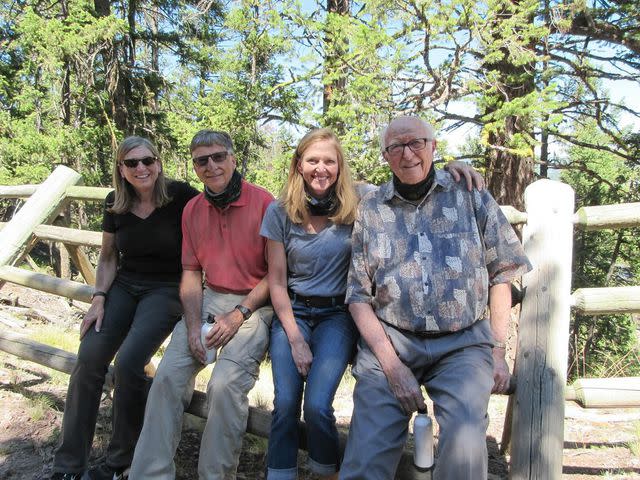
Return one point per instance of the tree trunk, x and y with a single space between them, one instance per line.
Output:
509 172
335 79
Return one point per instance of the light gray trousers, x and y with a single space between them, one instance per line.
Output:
457 371
234 375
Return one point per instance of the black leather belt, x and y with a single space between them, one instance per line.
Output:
317 302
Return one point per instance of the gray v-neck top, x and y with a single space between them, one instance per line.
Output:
317 263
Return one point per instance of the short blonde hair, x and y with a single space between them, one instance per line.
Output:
125 194
293 196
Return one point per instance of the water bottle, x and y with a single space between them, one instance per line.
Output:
209 353
423 440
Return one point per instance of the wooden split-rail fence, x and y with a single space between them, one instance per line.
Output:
534 427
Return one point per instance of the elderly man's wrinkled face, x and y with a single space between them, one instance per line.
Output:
409 149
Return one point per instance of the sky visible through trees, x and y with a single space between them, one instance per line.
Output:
520 88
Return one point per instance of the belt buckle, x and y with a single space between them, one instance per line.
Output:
307 302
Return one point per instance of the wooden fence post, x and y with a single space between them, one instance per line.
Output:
541 360
41 206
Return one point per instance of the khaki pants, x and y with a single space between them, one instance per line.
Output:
234 375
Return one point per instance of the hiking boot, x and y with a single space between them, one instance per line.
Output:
105 472
65 476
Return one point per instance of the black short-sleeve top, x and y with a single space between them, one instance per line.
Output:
149 248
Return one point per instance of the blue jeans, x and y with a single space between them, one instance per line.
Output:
331 335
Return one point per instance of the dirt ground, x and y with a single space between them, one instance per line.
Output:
596 445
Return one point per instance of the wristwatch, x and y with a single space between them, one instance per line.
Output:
246 312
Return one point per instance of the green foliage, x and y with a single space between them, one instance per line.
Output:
604 345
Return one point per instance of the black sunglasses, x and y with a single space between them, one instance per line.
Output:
217 157
133 162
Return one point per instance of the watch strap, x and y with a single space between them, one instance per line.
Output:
245 311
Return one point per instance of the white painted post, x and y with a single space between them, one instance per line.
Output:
41 206
543 336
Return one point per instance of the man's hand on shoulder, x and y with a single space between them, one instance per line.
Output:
225 328
405 387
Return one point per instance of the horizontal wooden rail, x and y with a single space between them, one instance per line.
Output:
620 392
71 236
259 422
88 193
73 193
513 215
599 301
17 191
46 283
621 215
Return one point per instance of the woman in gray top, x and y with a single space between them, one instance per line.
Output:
312 336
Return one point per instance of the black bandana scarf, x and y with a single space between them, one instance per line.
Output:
322 206
417 191
228 195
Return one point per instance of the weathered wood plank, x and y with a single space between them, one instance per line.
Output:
87 193
40 207
17 191
620 392
599 301
541 363
47 283
259 422
82 262
599 217
69 236
513 215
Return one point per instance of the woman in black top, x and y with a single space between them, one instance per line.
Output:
134 308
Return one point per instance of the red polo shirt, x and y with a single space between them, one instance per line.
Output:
226 244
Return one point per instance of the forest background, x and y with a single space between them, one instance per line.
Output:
523 89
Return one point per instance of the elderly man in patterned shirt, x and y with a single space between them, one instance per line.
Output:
427 254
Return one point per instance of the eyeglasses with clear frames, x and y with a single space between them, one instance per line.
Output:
415 145
217 157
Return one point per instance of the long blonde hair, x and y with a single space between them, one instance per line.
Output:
125 194
293 196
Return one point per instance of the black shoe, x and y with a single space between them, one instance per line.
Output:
105 472
65 476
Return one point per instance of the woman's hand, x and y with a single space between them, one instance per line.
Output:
95 314
302 356
459 169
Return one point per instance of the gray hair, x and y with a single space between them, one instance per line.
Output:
206 138
383 131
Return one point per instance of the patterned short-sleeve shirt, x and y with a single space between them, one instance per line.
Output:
428 267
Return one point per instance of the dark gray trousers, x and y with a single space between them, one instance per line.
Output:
139 315
457 371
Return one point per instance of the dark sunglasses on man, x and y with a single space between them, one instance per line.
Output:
133 162
217 157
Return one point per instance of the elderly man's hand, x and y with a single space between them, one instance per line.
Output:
501 375
224 329
459 169
405 387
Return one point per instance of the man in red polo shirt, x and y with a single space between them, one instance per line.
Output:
221 241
